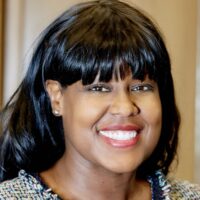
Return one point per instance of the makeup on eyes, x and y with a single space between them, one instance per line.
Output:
99 87
144 87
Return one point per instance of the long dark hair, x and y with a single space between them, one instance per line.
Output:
87 39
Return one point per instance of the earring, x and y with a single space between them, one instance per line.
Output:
56 113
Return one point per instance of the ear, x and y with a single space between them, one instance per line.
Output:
54 91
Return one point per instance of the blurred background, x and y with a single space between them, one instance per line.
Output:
21 21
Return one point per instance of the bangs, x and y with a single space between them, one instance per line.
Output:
104 42
86 63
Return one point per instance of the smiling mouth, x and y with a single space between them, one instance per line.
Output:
119 134
120 138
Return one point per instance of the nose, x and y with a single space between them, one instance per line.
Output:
123 104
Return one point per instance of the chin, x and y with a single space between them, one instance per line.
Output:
122 169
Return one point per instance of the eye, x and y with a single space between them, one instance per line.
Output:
99 88
142 88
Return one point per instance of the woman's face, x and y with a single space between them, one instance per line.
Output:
114 126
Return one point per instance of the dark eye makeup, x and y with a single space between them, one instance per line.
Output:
99 87
143 87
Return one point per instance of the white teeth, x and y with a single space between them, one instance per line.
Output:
119 135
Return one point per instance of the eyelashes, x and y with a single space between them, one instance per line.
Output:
142 87
105 87
100 87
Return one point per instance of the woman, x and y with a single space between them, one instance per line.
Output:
95 116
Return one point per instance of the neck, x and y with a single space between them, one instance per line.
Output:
72 179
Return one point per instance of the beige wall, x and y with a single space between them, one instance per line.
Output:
176 19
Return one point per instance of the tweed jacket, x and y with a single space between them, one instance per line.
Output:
27 186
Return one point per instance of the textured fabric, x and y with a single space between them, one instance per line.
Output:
25 186
184 190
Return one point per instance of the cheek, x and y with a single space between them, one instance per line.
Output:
152 112
83 113
152 115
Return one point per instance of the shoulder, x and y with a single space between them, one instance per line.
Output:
24 186
184 190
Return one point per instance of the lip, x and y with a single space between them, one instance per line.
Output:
122 144
129 127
